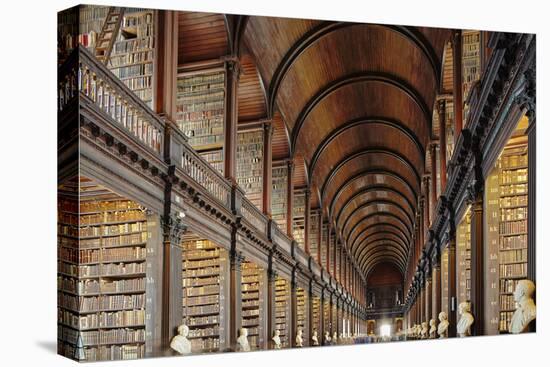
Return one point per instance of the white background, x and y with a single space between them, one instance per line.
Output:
28 181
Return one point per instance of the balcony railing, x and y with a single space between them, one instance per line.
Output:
253 215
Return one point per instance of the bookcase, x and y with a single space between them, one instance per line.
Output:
324 245
314 234
302 314
463 258
332 255
506 228
132 56
205 289
91 21
298 218
471 65
279 194
250 145
316 316
449 129
102 246
282 310
334 319
252 312
200 107
445 280
326 317
337 258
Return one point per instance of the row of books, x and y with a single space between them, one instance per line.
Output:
201 254
204 140
214 158
510 177
200 132
513 214
200 291
513 270
204 332
203 320
205 344
281 300
133 45
122 318
105 255
114 336
513 256
92 286
250 161
201 79
115 352
115 241
513 242
114 216
508 285
130 71
201 310
199 89
505 319
90 207
197 282
253 322
135 57
514 189
507 302
189 265
513 161
101 303
512 201
513 227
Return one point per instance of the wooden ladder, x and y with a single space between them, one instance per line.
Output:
109 32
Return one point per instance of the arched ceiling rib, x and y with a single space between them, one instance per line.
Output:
357 103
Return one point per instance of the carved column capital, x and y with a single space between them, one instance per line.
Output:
173 227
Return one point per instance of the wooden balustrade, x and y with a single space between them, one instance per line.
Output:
254 216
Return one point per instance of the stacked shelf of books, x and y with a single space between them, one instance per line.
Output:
471 65
445 280
337 259
131 59
326 317
251 288
314 234
91 21
324 245
203 272
298 220
512 228
279 195
282 309
67 32
200 108
334 320
464 257
316 315
101 278
250 145
301 312
450 128
332 255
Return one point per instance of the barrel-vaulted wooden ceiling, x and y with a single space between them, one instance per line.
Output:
352 105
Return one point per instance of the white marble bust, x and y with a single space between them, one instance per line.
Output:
526 310
334 337
315 338
299 338
443 327
180 343
466 320
328 339
433 329
276 339
424 330
242 341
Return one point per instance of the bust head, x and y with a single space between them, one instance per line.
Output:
524 289
183 330
299 332
315 333
276 333
243 332
464 307
335 335
442 316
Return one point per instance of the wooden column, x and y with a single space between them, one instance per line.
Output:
231 118
477 260
442 144
166 64
307 215
427 208
433 181
428 300
235 295
436 285
172 287
267 181
457 81
290 198
271 277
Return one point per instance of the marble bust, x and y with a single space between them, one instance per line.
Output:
466 320
276 339
328 339
526 310
334 337
433 329
242 341
299 338
443 327
180 343
314 338
424 330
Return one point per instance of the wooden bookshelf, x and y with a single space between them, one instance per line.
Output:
279 195
324 245
132 56
463 258
282 310
334 320
302 314
326 317
200 107
102 247
250 145
314 234
252 307
445 280
471 65
449 129
204 270
316 316
91 19
298 219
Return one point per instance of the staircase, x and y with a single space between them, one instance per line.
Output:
108 34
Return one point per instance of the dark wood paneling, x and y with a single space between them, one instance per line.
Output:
251 94
202 36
